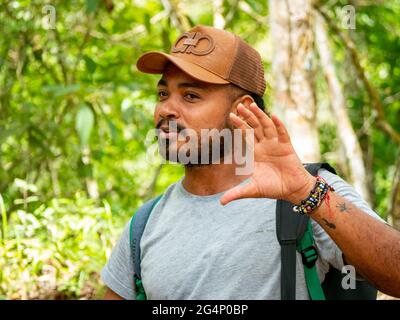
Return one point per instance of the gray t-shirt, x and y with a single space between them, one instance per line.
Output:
195 248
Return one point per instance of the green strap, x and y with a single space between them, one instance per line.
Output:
306 247
137 225
140 293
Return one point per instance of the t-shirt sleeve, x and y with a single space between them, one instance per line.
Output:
328 251
118 273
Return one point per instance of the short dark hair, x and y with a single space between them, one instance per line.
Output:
258 100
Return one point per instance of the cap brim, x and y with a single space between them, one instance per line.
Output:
155 62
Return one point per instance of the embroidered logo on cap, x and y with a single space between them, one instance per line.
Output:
192 39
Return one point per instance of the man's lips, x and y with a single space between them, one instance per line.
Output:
165 133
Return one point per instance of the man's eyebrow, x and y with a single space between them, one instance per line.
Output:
162 82
199 85
191 85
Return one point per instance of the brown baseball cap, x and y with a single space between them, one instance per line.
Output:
211 55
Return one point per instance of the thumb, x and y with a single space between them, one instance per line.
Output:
238 192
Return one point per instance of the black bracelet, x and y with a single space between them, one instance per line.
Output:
314 200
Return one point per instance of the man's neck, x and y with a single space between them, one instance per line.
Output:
211 179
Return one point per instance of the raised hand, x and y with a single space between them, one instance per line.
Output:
278 172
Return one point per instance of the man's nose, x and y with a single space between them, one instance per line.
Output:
168 109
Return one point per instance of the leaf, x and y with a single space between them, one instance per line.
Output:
90 64
91 5
147 22
84 124
25 186
113 131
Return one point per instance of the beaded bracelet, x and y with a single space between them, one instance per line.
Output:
314 200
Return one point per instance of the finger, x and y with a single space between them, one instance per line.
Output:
268 126
252 120
238 192
238 122
283 134
246 130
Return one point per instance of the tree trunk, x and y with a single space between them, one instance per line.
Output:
372 91
344 127
178 18
292 72
219 20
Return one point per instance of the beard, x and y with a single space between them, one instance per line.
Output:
199 149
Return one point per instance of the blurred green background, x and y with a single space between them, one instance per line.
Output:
74 114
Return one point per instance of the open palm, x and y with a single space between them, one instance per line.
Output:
278 172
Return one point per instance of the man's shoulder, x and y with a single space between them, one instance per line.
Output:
163 196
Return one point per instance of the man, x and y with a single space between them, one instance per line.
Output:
212 235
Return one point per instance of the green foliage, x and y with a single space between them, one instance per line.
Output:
84 124
377 39
75 113
56 250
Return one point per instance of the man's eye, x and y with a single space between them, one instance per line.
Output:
191 96
162 94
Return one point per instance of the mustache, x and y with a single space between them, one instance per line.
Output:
179 127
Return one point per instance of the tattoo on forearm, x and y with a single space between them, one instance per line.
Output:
343 207
329 224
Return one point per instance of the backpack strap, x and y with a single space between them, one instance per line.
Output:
138 223
290 228
309 256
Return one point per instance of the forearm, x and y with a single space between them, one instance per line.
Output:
371 246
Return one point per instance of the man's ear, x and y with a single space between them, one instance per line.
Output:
246 100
